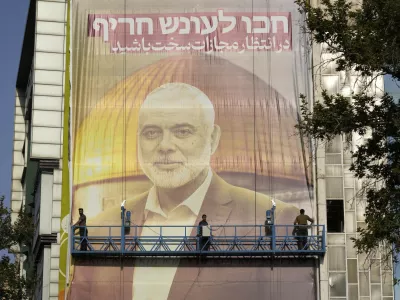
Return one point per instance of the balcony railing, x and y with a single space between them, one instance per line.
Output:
225 240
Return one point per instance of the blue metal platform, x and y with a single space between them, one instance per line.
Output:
174 241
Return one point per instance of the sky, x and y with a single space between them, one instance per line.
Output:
12 19
13 16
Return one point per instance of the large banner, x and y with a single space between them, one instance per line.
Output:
185 108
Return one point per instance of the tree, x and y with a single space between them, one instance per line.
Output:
365 39
13 286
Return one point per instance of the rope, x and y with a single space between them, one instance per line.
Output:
124 155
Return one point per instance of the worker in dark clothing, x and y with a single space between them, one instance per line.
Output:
269 223
83 232
268 232
204 244
302 229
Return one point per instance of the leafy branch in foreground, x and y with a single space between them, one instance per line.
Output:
363 38
13 286
376 161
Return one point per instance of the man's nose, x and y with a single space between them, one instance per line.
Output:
166 145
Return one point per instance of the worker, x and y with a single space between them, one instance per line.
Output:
269 222
302 229
83 232
204 244
268 231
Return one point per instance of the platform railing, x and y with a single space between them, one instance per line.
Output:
224 240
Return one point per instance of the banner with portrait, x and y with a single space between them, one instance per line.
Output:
186 108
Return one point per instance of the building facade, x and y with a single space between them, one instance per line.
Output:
37 156
40 180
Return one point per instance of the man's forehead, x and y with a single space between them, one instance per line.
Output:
177 106
172 117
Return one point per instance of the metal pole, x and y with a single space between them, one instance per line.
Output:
273 237
273 229
122 229
73 239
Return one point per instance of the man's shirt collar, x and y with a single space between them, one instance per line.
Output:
193 202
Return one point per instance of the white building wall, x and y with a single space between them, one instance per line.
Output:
344 274
46 203
56 204
48 87
46 134
46 274
47 119
54 267
18 164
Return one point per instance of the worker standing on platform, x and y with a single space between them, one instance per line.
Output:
204 240
269 222
302 230
268 232
83 232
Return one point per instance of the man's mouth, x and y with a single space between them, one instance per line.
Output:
167 165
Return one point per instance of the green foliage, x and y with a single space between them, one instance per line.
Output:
23 229
6 229
365 39
12 285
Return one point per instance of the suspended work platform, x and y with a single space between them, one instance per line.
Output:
184 241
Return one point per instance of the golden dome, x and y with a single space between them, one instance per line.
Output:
257 123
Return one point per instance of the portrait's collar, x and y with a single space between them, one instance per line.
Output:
193 202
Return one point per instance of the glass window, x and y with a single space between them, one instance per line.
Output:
335 215
334 146
360 209
334 187
336 239
363 278
349 198
363 262
331 83
376 292
337 284
347 157
337 259
353 292
375 271
387 287
352 271
333 159
348 180
351 251
350 222
329 64
333 170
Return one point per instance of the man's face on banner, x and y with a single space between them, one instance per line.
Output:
176 135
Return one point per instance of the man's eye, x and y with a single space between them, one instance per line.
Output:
182 133
151 134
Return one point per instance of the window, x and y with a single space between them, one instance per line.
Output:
335 215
